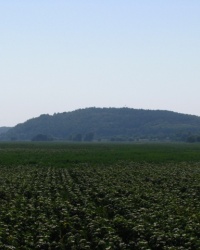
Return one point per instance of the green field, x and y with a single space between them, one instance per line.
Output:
65 154
99 196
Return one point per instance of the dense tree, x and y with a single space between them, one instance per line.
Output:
89 137
107 123
41 137
193 138
77 137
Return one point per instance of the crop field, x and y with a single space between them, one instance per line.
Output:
99 196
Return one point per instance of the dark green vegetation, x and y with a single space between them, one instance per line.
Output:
64 154
113 124
99 196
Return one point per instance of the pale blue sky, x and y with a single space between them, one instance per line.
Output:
63 55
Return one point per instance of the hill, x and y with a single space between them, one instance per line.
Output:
115 124
4 129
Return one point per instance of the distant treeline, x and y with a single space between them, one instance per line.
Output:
193 138
77 137
109 124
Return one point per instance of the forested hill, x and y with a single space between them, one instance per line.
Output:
115 124
4 129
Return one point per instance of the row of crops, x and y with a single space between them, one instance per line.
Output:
124 206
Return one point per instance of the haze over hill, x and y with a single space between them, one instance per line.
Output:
115 124
4 129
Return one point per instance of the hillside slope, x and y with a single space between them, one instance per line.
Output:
4 129
107 123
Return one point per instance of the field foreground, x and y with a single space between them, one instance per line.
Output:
117 205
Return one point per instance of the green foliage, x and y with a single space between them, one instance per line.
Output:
66 154
41 137
193 138
89 137
99 196
116 124
118 206
77 137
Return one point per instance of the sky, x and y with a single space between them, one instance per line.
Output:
63 55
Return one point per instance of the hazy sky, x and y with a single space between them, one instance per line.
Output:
62 55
